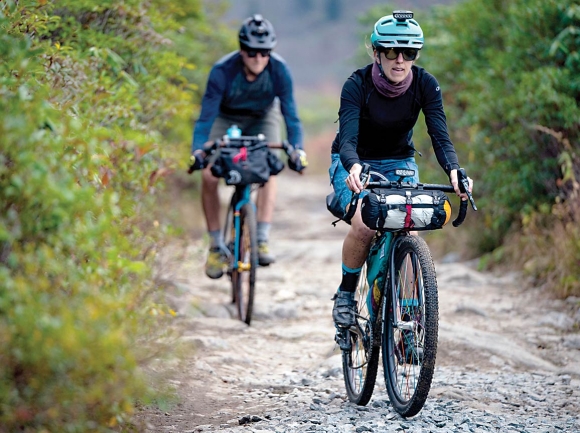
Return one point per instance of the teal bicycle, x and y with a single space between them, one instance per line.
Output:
397 310
246 163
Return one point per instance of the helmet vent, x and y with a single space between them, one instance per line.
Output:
260 32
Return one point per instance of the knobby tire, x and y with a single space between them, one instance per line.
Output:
228 234
244 276
409 353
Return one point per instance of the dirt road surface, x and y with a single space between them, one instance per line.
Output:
508 358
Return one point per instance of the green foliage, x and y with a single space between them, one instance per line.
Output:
94 103
317 112
507 79
511 72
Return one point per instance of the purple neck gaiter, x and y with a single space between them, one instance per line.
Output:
388 89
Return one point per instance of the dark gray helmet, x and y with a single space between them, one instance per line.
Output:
257 33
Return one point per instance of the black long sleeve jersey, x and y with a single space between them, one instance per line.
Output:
372 126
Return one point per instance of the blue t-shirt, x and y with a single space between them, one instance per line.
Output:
229 92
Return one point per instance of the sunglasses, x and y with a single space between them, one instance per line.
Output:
254 53
408 53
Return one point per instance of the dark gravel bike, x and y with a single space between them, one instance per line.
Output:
397 310
240 229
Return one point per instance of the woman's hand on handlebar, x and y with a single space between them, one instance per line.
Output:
455 182
353 180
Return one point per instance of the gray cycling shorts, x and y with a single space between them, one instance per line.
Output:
269 125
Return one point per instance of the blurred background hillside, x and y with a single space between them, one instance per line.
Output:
323 42
320 38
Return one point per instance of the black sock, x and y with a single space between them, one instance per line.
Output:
349 279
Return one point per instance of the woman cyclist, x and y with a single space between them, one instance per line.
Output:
379 106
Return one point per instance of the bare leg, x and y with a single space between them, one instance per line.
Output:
214 267
266 200
354 252
357 242
210 200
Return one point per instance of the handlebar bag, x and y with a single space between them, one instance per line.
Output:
406 209
275 164
333 205
243 166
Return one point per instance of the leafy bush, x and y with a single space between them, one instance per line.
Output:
94 101
511 69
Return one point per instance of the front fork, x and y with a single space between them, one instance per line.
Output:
392 297
243 193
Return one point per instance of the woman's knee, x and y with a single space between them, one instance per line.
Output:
360 231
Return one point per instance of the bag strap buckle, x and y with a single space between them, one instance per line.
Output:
242 156
409 208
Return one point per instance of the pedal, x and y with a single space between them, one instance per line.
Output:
342 338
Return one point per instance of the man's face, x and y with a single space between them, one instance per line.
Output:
255 60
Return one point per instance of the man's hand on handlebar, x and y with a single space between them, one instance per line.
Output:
297 160
196 161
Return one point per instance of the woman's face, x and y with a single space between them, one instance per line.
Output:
396 70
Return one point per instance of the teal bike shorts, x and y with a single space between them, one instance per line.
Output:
386 167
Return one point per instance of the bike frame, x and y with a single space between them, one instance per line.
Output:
393 294
243 194
380 271
380 265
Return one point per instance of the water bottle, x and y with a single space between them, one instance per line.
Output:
234 131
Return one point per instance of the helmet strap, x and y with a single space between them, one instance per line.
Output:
382 73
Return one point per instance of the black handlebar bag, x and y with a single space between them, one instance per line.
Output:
245 166
333 205
395 210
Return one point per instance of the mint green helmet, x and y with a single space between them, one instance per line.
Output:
397 30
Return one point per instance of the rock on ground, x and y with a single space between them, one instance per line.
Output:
508 360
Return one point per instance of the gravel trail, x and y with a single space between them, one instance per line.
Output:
508 359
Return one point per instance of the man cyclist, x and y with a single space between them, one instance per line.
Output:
379 106
248 88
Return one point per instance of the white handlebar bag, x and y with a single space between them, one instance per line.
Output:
395 210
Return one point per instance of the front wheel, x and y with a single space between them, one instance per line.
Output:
244 269
228 235
360 363
410 327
